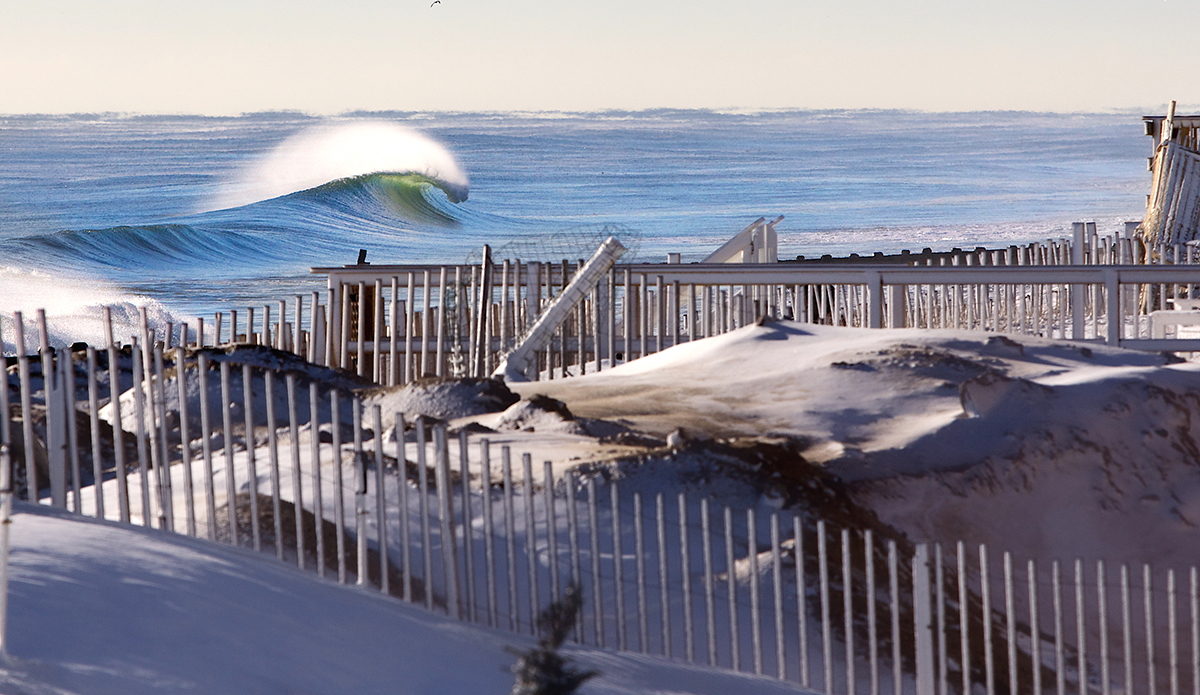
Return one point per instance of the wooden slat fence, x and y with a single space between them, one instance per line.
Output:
487 536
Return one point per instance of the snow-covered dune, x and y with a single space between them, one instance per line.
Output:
1048 448
99 608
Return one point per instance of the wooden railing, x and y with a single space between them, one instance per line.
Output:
429 329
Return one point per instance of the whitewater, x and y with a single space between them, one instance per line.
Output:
192 215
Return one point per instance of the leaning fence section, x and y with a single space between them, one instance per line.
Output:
193 442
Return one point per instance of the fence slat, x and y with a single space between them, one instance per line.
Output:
1194 603
639 556
872 626
964 654
210 505
294 449
163 475
1126 628
510 540
448 537
777 603
710 620
185 439
1080 628
1148 616
360 490
381 521
1010 616
273 458
569 483
339 504
489 531
67 362
663 576
251 464
1102 617
227 428
468 515
530 540
139 411
94 431
1172 627
548 509
826 632
594 551
801 600
894 592
423 512
314 431
939 578
731 583
685 562
1059 662
848 610
1035 638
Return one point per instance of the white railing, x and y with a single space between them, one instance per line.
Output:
645 308
445 520
424 320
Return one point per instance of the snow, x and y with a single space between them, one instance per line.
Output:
845 390
100 608
1049 449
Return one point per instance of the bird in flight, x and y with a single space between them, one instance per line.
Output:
435 2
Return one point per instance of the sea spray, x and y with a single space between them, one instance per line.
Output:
74 309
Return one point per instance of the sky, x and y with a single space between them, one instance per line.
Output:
234 56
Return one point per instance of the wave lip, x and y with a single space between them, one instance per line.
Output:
408 196
330 153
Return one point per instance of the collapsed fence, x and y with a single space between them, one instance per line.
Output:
289 459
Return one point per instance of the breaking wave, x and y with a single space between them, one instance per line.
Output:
318 156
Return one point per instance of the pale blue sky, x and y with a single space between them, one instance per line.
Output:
225 56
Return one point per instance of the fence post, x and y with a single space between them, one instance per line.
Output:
446 530
31 483
1112 291
482 345
56 424
360 488
896 300
6 489
923 621
1077 290
875 299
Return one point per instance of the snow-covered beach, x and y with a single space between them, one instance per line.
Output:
1044 449
757 501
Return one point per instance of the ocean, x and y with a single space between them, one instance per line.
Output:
196 214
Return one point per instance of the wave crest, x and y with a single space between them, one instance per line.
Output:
331 153
407 196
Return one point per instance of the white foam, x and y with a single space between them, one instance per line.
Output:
327 153
74 309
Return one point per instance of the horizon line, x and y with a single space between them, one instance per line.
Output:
534 113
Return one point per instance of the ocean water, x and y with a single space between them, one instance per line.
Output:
195 214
